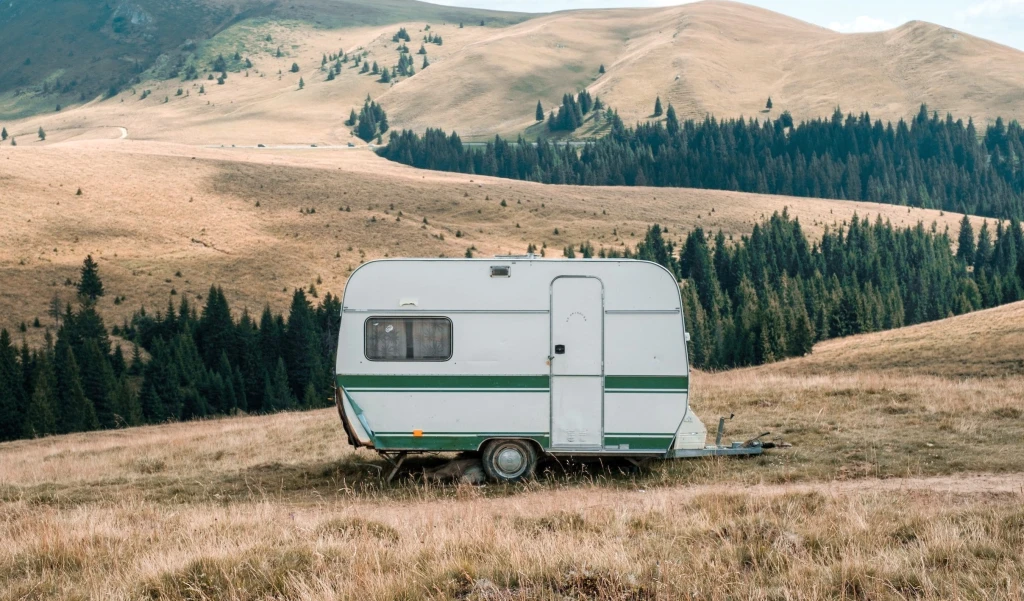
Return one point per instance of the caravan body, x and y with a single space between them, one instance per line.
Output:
572 357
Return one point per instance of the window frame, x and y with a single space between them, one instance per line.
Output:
451 344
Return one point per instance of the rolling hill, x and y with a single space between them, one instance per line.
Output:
261 222
715 57
987 343
82 49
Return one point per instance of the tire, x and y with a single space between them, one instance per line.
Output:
509 460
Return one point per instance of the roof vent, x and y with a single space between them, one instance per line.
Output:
501 271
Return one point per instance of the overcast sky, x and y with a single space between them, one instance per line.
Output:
999 20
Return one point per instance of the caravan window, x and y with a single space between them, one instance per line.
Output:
408 339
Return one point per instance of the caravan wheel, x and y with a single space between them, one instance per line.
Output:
509 460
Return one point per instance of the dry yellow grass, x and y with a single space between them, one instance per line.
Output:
897 486
883 496
149 210
984 343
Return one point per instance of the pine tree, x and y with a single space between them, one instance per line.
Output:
302 83
657 107
671 121
768 105
601 69
90 286
540 112
295 67
127 404
42 134
426 63
11 390
75 412
215 332
302 358
3 135
98 382
40 416
965 242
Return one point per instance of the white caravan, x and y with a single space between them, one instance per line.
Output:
515 357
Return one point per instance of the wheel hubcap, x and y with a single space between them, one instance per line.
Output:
510 460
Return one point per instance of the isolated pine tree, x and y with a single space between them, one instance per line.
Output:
90 286
601 69
426 63
42 134
768 105
295 67
3 135
657 107
540 112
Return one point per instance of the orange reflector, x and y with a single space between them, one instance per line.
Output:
417 433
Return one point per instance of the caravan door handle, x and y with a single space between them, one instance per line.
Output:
559 349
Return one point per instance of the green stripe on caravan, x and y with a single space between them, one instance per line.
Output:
645 382
420 382
444 382
450 441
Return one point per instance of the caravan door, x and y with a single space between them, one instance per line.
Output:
577 363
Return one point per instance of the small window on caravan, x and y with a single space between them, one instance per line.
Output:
408 339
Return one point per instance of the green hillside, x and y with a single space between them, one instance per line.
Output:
62 52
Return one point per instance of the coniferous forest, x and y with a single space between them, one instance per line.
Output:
773 294
759 299
929 162
198 363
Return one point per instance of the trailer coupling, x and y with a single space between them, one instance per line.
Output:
753 446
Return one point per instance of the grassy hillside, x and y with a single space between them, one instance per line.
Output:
243 218
79 49
985 343
719 58
280 506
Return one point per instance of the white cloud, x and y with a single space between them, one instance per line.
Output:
994 8
866 24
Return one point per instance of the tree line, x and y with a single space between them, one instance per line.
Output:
772 294
929 162
200 363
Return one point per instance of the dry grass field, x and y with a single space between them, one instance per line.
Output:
241 218
897 486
